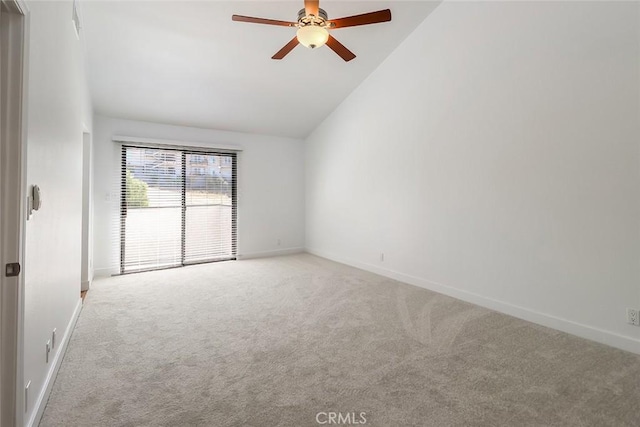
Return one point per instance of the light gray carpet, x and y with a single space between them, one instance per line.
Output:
272 342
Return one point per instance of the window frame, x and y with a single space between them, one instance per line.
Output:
183 152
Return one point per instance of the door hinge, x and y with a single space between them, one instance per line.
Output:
12 269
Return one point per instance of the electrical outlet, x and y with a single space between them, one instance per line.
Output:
53 338
48 351
382 257
633 316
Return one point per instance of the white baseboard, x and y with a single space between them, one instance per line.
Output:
584 331
41 403
264 254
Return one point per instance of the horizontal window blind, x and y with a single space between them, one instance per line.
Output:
178 207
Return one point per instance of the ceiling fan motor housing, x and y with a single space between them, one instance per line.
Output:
303 14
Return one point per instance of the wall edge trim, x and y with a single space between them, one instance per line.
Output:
591 333
43 398
265 254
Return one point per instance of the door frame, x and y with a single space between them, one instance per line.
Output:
14 15
86 274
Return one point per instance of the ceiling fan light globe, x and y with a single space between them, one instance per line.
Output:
312 36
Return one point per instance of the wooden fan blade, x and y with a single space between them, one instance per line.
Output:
252 20
312 7
364 19
339 48
286 49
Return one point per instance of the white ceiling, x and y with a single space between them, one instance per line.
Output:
187 63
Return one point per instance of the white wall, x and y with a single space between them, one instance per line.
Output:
494 157
270 187
58 111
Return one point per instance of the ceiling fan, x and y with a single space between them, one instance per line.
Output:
313 28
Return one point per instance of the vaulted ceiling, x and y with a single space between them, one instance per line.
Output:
187 63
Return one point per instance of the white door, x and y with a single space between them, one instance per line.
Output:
13 24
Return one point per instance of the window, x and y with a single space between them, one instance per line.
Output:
173 214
